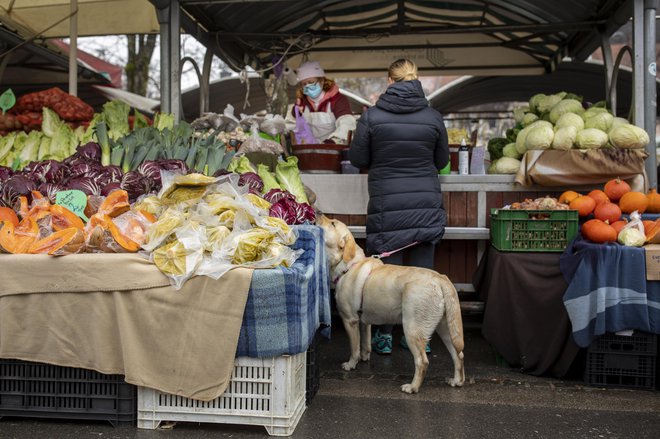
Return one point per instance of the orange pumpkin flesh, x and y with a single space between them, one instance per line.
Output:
633 201
598 231
62 242
568 196
648 224
607 211
583 204
598 196
615 189
115 204
23 206
653 198
63 218
8 214
18 239
653 233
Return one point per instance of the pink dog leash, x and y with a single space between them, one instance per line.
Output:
390 253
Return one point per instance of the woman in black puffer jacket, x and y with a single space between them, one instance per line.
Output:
403 143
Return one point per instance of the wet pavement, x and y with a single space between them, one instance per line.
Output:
496 401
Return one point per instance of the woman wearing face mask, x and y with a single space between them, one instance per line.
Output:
403 142
318 100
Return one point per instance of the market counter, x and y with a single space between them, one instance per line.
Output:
525 320
117 314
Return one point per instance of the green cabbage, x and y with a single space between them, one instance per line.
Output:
618 121
163 121
31 148
528 119
519 113
539 137
591 138
601 121
240 165
535 100
563 107
564 138
522 135
288 176
632 237
50 122
570 120
511 151
7 145
629 137
507 165
593 111
547 102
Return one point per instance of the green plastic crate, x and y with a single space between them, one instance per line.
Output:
532 230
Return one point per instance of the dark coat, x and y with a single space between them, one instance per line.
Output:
403 143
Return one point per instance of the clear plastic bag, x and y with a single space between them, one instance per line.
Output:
633 234
180 257
256 143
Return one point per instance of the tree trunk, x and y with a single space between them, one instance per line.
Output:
140 51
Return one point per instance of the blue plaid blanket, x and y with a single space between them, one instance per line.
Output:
607 290
286 306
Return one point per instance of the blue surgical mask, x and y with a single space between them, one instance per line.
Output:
312 90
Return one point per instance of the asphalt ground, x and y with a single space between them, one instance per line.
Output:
496 402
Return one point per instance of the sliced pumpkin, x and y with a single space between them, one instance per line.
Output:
22 206
62 218
18 239
8 214
62 242
124 241
93 204
115 204
36 195
653 233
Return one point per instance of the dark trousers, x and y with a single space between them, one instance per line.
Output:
420 255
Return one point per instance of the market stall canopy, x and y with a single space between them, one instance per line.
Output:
50 18
349 37
583 78
233 91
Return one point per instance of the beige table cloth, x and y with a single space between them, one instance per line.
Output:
118 314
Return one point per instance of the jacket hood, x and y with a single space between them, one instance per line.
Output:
403 97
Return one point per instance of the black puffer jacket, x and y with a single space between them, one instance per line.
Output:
403 143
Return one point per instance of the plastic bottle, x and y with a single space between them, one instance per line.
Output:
463 159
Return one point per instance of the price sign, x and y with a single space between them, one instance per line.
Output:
74 200
7 100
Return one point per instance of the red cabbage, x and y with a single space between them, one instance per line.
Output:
49 190
109 188
308 213
86 184
90 151
5 173
47 171
106 175
133 184
84 169
252 180
275 195
16 186
151 169
173 165
283 209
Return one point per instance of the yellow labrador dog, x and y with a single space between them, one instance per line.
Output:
369 292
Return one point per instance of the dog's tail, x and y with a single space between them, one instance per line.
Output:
453 315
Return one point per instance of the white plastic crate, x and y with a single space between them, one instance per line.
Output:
262 391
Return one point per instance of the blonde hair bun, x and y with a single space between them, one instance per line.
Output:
402 70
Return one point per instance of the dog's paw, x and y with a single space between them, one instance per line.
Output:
365 356
349 365
408 388
454 382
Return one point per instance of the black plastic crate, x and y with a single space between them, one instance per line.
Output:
313 371
623 361
38 390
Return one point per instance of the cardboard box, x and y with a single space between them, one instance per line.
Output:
652 261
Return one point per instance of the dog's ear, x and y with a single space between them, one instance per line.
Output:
349 246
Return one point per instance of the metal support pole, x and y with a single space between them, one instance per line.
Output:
163 15
650 103
606 48
175 56
170 54
204 87
73 49
638 62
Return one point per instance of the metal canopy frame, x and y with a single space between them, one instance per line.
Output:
531 36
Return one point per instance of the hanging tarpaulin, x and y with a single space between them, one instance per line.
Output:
49 18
